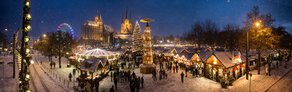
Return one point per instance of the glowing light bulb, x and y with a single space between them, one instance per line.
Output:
26 39
27 3
28 16
27 50
44 35
28 28
31 61
257 23
27 76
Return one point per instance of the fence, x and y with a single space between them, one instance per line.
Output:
63 82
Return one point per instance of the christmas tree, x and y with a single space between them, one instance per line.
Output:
137 38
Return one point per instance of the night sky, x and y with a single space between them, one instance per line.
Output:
171 16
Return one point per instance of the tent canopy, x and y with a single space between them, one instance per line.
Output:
97 52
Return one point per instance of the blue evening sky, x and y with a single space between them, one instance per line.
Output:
171 16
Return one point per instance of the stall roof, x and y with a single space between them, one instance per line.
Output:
96 52
187 55
94 63
192 50
204 55
224 58
229 59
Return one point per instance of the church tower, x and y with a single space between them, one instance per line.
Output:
127 25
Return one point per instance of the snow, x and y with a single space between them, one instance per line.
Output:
261 82
279 81
7 83
51 84
59 75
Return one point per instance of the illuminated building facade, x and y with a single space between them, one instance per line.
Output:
127 25
95 30
126 31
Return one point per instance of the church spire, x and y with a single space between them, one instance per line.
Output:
122 16
126 13
100 17
130 16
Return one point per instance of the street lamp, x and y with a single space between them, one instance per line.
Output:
44 35
257 24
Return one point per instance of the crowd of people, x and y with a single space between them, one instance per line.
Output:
124 74
135 82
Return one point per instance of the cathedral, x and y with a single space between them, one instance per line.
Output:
126 25
126 28
96 31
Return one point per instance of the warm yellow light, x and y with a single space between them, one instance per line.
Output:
257 23
215 61
27 50
44 35
26 39
5 49
27 76
31 61
28 16
28 27
27 3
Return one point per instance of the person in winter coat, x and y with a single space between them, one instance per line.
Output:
112 89
182 77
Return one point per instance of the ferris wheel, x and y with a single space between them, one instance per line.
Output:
65 27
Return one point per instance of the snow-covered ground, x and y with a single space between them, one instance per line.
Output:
171 84
43 82
59 75
7 83
261 82
279 81
283 85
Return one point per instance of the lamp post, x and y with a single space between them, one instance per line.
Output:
246 57
256 24
25 52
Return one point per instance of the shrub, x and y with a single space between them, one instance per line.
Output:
231 79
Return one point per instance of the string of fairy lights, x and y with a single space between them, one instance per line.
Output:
24 75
